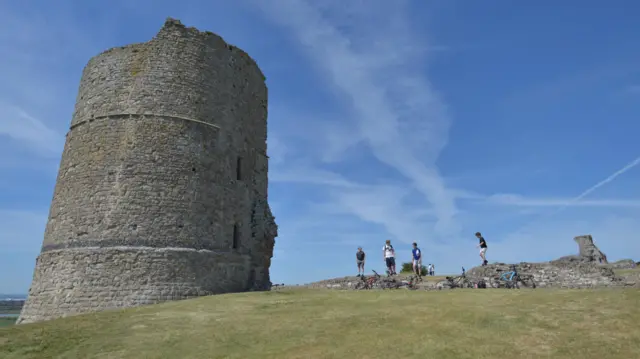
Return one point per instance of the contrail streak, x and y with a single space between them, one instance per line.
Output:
624 169
582 195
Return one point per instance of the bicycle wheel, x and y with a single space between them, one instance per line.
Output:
465 283
527 282
494 282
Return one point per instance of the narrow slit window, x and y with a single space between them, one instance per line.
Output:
236 236
239 169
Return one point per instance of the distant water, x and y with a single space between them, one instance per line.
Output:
13 297
9 298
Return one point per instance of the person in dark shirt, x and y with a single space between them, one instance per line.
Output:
360 261
483 248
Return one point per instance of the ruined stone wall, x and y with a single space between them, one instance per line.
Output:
555 274
623 264
148 205
588 269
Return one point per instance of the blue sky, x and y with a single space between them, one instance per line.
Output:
406 120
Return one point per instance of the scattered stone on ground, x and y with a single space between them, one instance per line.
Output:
351 281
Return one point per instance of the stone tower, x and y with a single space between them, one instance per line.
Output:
162 188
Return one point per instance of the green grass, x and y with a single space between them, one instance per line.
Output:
304 323
7 321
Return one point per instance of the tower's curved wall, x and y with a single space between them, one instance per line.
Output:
148 205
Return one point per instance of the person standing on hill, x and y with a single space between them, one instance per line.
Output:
483 248
360 261
389 257
417 260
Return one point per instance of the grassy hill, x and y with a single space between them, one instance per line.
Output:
7 321
304 323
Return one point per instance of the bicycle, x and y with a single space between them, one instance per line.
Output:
512 280
368 282
385 283
460 281
412 283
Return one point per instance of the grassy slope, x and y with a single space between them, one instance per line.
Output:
302 323
6 321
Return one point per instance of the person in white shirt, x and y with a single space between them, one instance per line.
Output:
429 269
389 257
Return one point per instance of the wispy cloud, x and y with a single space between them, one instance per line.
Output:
605 181
521 201
30 132
633 89
276 150
42 60
569 85
370 55
310 175
22 231
578 200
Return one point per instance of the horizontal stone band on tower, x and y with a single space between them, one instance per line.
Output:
162 188
124 116
109 243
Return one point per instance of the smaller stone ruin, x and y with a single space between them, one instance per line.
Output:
590 268
589 251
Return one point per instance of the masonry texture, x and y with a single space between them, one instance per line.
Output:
162 187
588 269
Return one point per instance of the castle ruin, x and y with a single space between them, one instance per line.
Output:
162 188
588 250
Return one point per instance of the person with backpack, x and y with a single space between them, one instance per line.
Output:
389 257
360 261
417 260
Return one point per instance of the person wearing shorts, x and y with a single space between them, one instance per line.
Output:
483 248
360 261
389 257
417 260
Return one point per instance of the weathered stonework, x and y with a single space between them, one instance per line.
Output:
162 187
557 274
623 264
587 249
588 269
